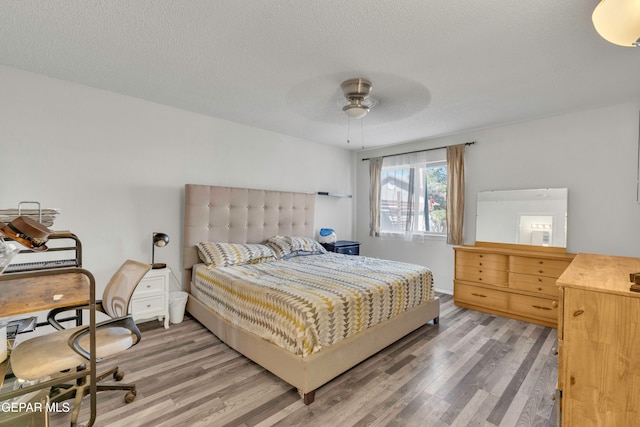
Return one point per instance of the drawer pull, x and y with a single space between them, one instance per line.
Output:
540 289
479 295
539 307
577 313
539 279
148 286
540 262
554 304
148 305
540 271
480 264
480 256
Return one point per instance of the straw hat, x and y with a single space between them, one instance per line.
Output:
27 232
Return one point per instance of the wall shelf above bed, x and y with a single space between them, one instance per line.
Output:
331 194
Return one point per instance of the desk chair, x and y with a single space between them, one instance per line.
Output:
66 349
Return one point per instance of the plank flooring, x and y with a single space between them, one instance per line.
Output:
472 369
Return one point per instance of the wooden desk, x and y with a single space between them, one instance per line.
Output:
30 292
42 292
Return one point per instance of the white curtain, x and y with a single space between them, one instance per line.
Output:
403 209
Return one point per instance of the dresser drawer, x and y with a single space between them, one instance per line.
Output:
542 285
489 298
143 308
482 275
490 261
533 306
149 286
537 266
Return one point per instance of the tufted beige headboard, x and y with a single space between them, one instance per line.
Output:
241 215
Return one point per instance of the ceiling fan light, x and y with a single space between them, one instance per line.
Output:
618 21
356 92
355 111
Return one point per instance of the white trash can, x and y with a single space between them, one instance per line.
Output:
177 304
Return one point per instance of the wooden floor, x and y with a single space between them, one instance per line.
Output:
473 369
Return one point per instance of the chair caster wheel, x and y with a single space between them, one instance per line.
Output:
129 397
118 375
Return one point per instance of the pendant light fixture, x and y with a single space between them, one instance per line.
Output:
618 21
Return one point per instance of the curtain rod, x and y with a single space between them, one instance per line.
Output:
420 151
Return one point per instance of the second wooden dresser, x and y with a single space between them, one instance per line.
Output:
516 281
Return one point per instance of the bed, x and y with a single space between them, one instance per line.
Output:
221 215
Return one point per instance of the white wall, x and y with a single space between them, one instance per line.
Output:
116 166
593 153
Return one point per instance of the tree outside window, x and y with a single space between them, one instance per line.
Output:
413 199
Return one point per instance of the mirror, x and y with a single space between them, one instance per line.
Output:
527 217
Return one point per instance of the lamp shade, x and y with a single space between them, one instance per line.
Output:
355 111
160 239
618 21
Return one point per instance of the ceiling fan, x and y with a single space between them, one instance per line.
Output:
357 100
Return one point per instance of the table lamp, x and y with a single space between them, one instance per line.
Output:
159 240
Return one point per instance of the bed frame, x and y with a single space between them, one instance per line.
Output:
240 215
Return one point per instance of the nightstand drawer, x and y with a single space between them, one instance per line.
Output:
343 247
349 250
151 297
146 307
150 286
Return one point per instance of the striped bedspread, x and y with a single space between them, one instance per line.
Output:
309 302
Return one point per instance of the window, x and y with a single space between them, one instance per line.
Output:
417 194
413 198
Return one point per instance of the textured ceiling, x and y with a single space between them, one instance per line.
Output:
437 67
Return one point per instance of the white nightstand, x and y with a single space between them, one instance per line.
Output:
151 297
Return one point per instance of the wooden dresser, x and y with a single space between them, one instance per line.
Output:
599 342
517 281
